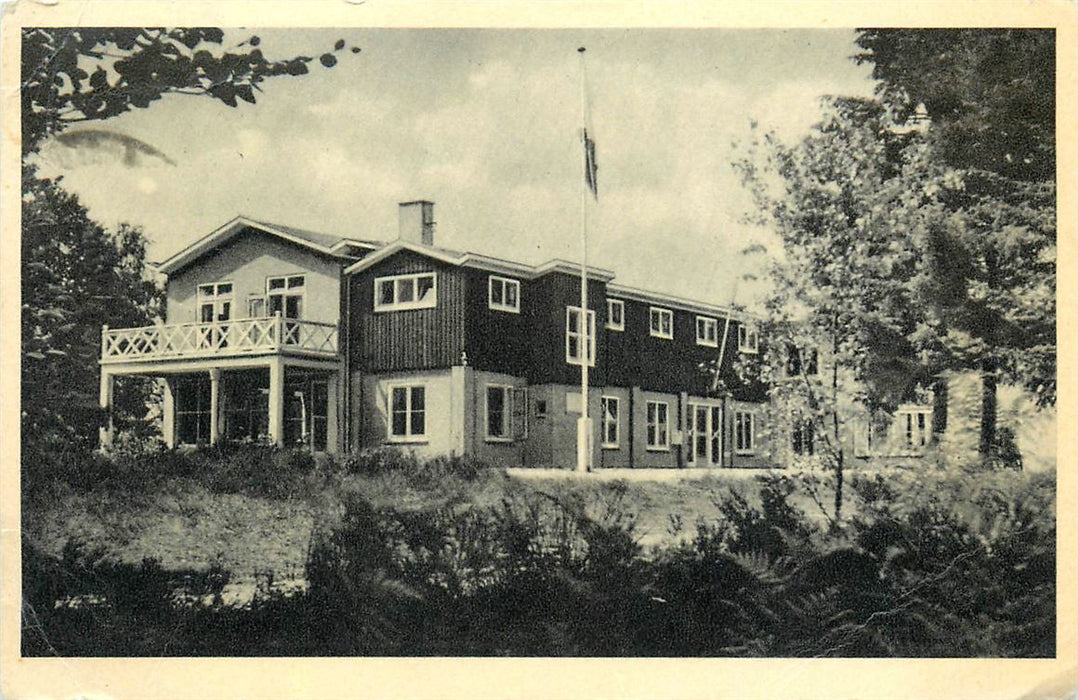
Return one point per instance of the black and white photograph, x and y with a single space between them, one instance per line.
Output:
557 342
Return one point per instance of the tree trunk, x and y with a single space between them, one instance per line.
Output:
986 446
840 452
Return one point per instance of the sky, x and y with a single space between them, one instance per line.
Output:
485 123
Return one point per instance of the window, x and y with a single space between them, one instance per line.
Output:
916 426
615 314
504 294
507 418
284 295
658 425
256 306
499 406
804 442
407 413
744 432
540 408
401 292
747 340
192 397
574 340
662 323
800 360
611 406
214 302
707 331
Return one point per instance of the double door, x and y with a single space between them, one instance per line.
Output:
705 435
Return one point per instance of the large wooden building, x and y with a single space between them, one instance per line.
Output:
279 334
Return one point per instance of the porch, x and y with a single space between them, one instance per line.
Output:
261 379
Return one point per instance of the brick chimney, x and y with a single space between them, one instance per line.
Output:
416 222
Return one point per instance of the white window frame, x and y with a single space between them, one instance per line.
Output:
663 444
620 305
286 292
744 335
429 303
739 447
215 297
589 324
913 436
505 283
607 424
708 322
507 413
408 437
660 313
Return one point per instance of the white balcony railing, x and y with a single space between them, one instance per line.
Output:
246 336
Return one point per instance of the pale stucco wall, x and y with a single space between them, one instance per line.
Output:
247 261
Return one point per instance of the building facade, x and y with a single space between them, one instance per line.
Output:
276 334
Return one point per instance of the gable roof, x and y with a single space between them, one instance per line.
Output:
318 242
475 260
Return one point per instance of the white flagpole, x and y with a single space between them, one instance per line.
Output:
583 428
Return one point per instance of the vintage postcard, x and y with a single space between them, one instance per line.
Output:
537 350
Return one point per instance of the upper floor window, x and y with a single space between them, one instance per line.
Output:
615 314
800 360
804 437
662 323
504 294
744 432
400 292
707 331
747 340
214 302
574 336
407 413
284 295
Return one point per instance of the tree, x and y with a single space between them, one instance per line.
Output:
988 279
841 202
73 74
76 275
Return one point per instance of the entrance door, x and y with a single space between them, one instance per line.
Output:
705 430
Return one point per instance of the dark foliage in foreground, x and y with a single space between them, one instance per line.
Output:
931 566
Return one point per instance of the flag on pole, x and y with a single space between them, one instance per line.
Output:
591 169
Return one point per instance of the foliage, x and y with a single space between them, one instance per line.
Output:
76 276
987 244
80 74
930 565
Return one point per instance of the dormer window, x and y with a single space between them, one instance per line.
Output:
503 294
403 292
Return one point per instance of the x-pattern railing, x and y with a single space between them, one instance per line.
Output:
218 338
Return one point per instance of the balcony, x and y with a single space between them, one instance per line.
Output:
248 336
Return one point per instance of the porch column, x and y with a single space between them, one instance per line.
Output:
215 405
104 436
276 402
168 413
332 445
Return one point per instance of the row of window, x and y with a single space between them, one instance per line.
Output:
507 418
283 295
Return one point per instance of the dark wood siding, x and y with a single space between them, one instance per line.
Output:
552 293
636 358
412 339
496 341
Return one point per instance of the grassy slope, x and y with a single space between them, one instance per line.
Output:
183 525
